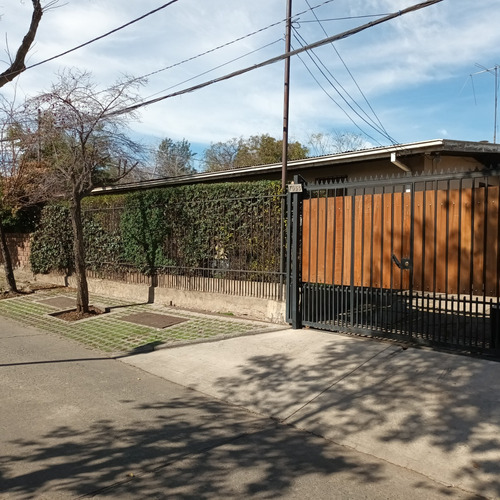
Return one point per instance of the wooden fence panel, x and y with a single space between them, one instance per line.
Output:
455 240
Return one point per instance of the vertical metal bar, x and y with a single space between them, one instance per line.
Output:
295 275
316 281
434 269
289 244
326 311
473 209
446 271
342 301
362 288
391 324
353 244
380 304
334 258
485 243
371 261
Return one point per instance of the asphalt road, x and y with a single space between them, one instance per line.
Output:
76 424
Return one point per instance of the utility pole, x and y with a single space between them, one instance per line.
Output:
286 103
284 154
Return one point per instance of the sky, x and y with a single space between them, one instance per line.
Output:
417 77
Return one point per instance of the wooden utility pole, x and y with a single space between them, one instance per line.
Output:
286 104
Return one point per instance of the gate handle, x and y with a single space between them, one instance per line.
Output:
404 264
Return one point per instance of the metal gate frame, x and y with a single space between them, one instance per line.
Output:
438 272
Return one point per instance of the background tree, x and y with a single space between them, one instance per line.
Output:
18 181
221 155
174 158
8 152
256 150
336 142
83 135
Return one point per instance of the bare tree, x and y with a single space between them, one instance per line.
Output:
221 155
336 142
86 145
8 157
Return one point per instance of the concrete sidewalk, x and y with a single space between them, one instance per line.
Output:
77 424
431 412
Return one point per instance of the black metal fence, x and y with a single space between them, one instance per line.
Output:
414 258
230 245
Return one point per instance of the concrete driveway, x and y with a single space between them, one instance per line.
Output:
431 412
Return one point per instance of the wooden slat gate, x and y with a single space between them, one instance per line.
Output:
414 258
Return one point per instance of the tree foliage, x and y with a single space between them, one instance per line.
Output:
174 158
255 150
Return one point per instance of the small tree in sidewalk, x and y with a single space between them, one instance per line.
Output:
84 141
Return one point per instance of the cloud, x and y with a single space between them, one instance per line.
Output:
409 68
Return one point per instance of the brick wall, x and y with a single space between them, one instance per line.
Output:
19 247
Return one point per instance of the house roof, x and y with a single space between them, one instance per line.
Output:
485 152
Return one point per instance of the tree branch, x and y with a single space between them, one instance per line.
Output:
18 66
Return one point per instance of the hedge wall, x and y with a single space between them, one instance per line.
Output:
223 226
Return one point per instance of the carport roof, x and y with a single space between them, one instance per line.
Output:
485 152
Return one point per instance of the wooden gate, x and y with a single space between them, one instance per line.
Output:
412 257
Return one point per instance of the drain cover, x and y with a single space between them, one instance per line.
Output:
59 302
153 320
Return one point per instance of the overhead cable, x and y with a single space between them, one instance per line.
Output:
281 57
337 103
220 66
385 133
227 44
103 36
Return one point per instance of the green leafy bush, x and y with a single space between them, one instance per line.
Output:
144 229
51 244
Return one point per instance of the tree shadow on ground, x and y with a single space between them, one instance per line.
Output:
432 412
179 448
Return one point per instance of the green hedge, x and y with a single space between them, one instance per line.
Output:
52 242
195 226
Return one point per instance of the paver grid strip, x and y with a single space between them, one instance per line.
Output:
110 334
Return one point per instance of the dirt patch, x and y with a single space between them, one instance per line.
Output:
74 315
5 294
25 288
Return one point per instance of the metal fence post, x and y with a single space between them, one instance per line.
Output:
294 199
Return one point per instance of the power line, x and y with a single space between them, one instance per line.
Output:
276 59
104 35
227 44
348 18
336 102
339 94
217 67
385 134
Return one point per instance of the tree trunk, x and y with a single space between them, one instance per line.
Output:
82 293
7 261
